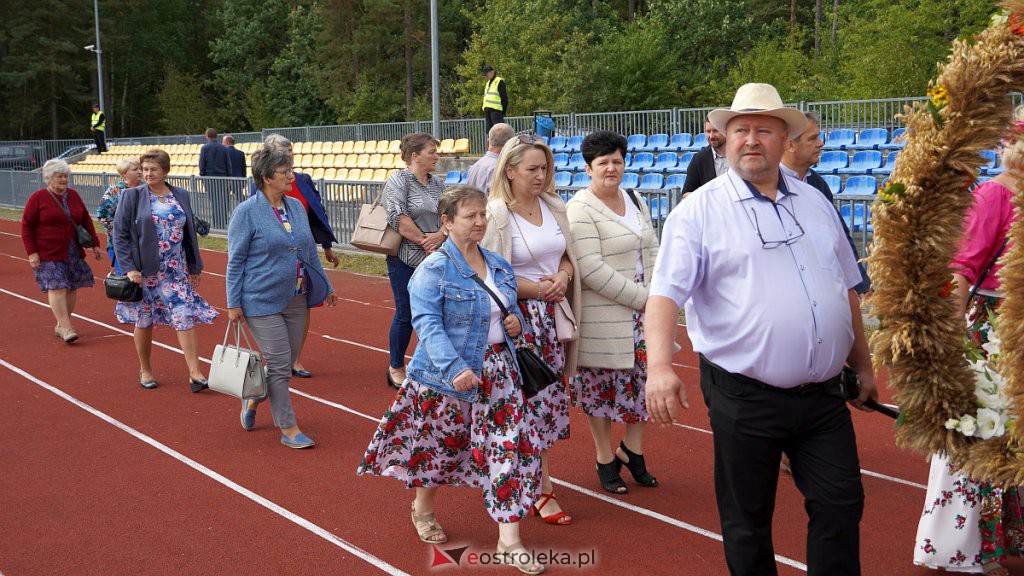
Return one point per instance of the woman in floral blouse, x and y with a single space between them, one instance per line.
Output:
131 171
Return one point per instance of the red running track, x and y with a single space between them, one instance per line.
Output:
102 477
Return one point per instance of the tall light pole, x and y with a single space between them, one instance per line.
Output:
435 67
99 53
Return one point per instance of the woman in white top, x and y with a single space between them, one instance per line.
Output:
615 244
527 225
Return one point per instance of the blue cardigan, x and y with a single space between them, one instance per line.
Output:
135 235
261 258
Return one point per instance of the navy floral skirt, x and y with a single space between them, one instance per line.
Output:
72 274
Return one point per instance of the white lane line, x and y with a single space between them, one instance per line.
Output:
666 519
268 504
892 479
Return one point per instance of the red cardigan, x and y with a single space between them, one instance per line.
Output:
45 228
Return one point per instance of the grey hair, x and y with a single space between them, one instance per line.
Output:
124 164
265 161
500 134
277 141
227 138
812 118
55 166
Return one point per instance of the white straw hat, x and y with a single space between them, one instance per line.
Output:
762 99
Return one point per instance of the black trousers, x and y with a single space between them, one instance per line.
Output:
752 426
492 117
100 138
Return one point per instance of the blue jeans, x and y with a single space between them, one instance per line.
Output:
113 259
401 325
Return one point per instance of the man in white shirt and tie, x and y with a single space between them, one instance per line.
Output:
760 263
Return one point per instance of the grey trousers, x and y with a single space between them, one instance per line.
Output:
279 337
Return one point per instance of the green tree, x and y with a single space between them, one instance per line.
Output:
182 105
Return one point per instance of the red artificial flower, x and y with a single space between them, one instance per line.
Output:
504 493
1017 23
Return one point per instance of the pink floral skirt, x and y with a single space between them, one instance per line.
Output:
616 394
548 411
428 439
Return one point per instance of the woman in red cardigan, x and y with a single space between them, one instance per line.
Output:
50 241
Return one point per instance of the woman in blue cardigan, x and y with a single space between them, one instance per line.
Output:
274 276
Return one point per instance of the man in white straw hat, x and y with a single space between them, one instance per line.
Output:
761 264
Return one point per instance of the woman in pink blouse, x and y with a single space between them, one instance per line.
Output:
969 526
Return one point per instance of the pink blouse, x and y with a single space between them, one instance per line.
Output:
987 224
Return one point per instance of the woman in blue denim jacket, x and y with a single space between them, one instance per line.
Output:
458 419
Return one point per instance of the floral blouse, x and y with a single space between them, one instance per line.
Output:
108 205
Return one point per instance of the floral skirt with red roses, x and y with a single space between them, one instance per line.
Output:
616 394
548 411
428 439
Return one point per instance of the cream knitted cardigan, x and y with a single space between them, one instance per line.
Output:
498 238
606 251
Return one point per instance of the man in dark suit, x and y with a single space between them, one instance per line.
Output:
236 156
214 160
709 163
802 152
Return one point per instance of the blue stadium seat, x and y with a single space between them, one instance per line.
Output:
990 161
576 162
890 163
995 171
652 182
871 139
559 144
561 161
831 161
453 177
563 179
863 162
684 162
628 160
659 208
565 194
896 142
636 142
840 139
656 143
630 180
835 183
866 185
580 180
666 162
700 141
856 217
574 144
675 181
642 161
680 142
543 139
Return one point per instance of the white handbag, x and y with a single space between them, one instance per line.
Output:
238 371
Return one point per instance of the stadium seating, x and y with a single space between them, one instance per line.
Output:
835 183
453 177
642 161
890 163
990 161
580 180
675 181
563 179
840 139
863 163
559 144
576 162
630 180
656 143
700 141
896 142
652 182
871 139
636 142
865 185
666 162
680 142
561 161
684 161
574 143
831 161
860 216
659 208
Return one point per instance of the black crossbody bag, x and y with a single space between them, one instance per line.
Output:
535 374
82 236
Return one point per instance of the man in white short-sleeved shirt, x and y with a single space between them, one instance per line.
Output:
761 265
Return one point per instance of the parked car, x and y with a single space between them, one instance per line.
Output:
19 157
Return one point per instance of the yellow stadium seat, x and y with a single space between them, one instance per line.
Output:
346 148
298 160
302 147
390 172
335 147
447 146
461 146
358 147
318 161
380 175
330 174
374 161
341 174
318 173
351 161
318 148
370 147
395 147
328 160
399 163
296 169
387 161
339 160
364 161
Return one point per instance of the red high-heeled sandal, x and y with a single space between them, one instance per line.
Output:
557 519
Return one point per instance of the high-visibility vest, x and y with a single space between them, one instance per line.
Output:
492 99
95 119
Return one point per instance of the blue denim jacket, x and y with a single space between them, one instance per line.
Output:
451 316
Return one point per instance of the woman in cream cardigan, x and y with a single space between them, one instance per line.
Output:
527 225
615 244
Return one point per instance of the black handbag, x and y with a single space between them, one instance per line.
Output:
82 236
122 289
202 227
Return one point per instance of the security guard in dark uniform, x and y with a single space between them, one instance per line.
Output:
495 99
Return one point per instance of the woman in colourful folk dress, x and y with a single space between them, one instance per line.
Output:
48 233
527 225
460 418
156 246
131 171
615 245
970 526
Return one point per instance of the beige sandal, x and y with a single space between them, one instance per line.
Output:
427 527
512 556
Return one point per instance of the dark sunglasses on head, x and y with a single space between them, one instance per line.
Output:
529 139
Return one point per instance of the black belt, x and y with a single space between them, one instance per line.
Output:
831 385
